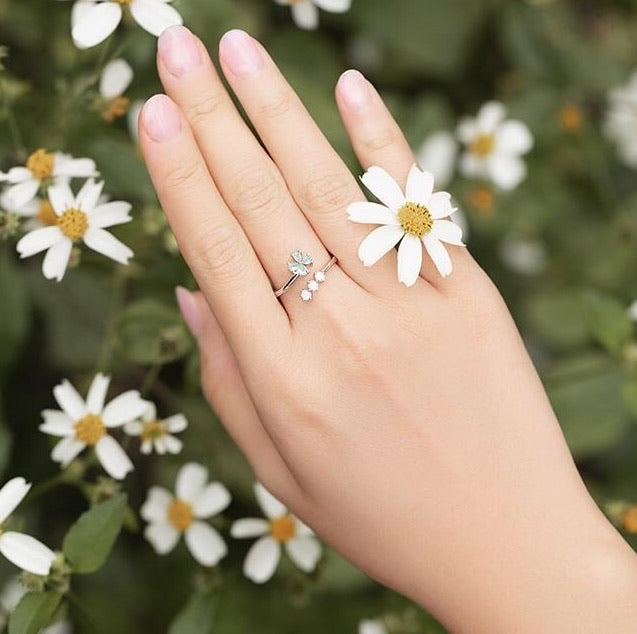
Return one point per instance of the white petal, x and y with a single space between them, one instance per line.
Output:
440 205
409 259
490 115
447 231
271 507
107 244
367 626
154 16
160 445
56 417
38 240
191 480
113 458
438 254
171 444
249 527
66 450
115 78
16 175
110 214
514 137
81 8
22 193
437 155
155 508
305 15
371 213
467 130
304 552
56 259
211 500
507 172
146 447
205 544
335 6
88 196
11 494
69 400
61 425
301 529
68 167
384 187
163 537
151 412
27 553
95 25
176 423
97 393
420 186
262 559
379 242
472 165
134 428
132 118
61 197
124 408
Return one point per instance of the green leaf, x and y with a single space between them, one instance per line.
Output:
196 617
90 540
34 612
607 320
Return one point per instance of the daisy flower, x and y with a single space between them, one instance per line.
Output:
437 154
280 528
156 433
92 21
22 550
84 424
620 123
114 80
43 167
79 217
305 13
171 516
494 146
414 219
375 626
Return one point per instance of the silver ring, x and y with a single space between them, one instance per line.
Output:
299 266
319 277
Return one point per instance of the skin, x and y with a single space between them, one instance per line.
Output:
406 426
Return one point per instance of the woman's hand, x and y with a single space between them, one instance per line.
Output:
407 426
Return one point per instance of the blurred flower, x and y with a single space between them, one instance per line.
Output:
629 519
171 516
22 550
84 424
114 80
437 154
631 311
494 146
524 256
157 433
78 218
132 119
92 21
376 626
482 198
9 224
620 123
413 219
42 167
280 527
306 12
571 118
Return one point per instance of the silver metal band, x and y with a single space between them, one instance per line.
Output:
287 286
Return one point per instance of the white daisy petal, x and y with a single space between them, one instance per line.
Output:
123 409
69 400
271 507
301 529
154 16
471 165
155 508
305 15
16 175
191 480
134 428
38 240
438 254
58 427
491 114
150 413
27 553
69 167
66 450
249 527
61 197
409 259
334 6
420 186
56 259
205 544
163 537
11 494
371 213
384 187
56 418
379 242
176 423
304 551
107 244
115 78
88 196
262 560
110 214
467 130
514 137
146 447
113 458
367 626
447 231
440 205
23 192
97 393
93 26
172 445
437 155
507 172
160 446
213 499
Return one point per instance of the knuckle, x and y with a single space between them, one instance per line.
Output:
216 253
183 174
381 140
257 191
204 105
277 105
327 192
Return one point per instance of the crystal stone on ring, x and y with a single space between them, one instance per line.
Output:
319 276
306 295
300 263
312 285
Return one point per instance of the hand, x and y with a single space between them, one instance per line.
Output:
407 426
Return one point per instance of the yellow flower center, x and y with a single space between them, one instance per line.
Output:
90 429
116 107
153 429
571 118
41 164
46 215
415 219
73 223
482 145
283 528
180 514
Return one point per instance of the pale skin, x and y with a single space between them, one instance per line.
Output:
406 426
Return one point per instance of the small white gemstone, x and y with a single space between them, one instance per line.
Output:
306 295
312 285
319 276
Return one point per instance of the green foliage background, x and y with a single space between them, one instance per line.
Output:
433 62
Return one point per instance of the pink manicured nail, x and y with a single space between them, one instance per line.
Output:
161 118
189 310
355 90
239 53
178 50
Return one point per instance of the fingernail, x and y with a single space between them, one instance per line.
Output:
178 50
355 90
189 310
239 53
160 118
